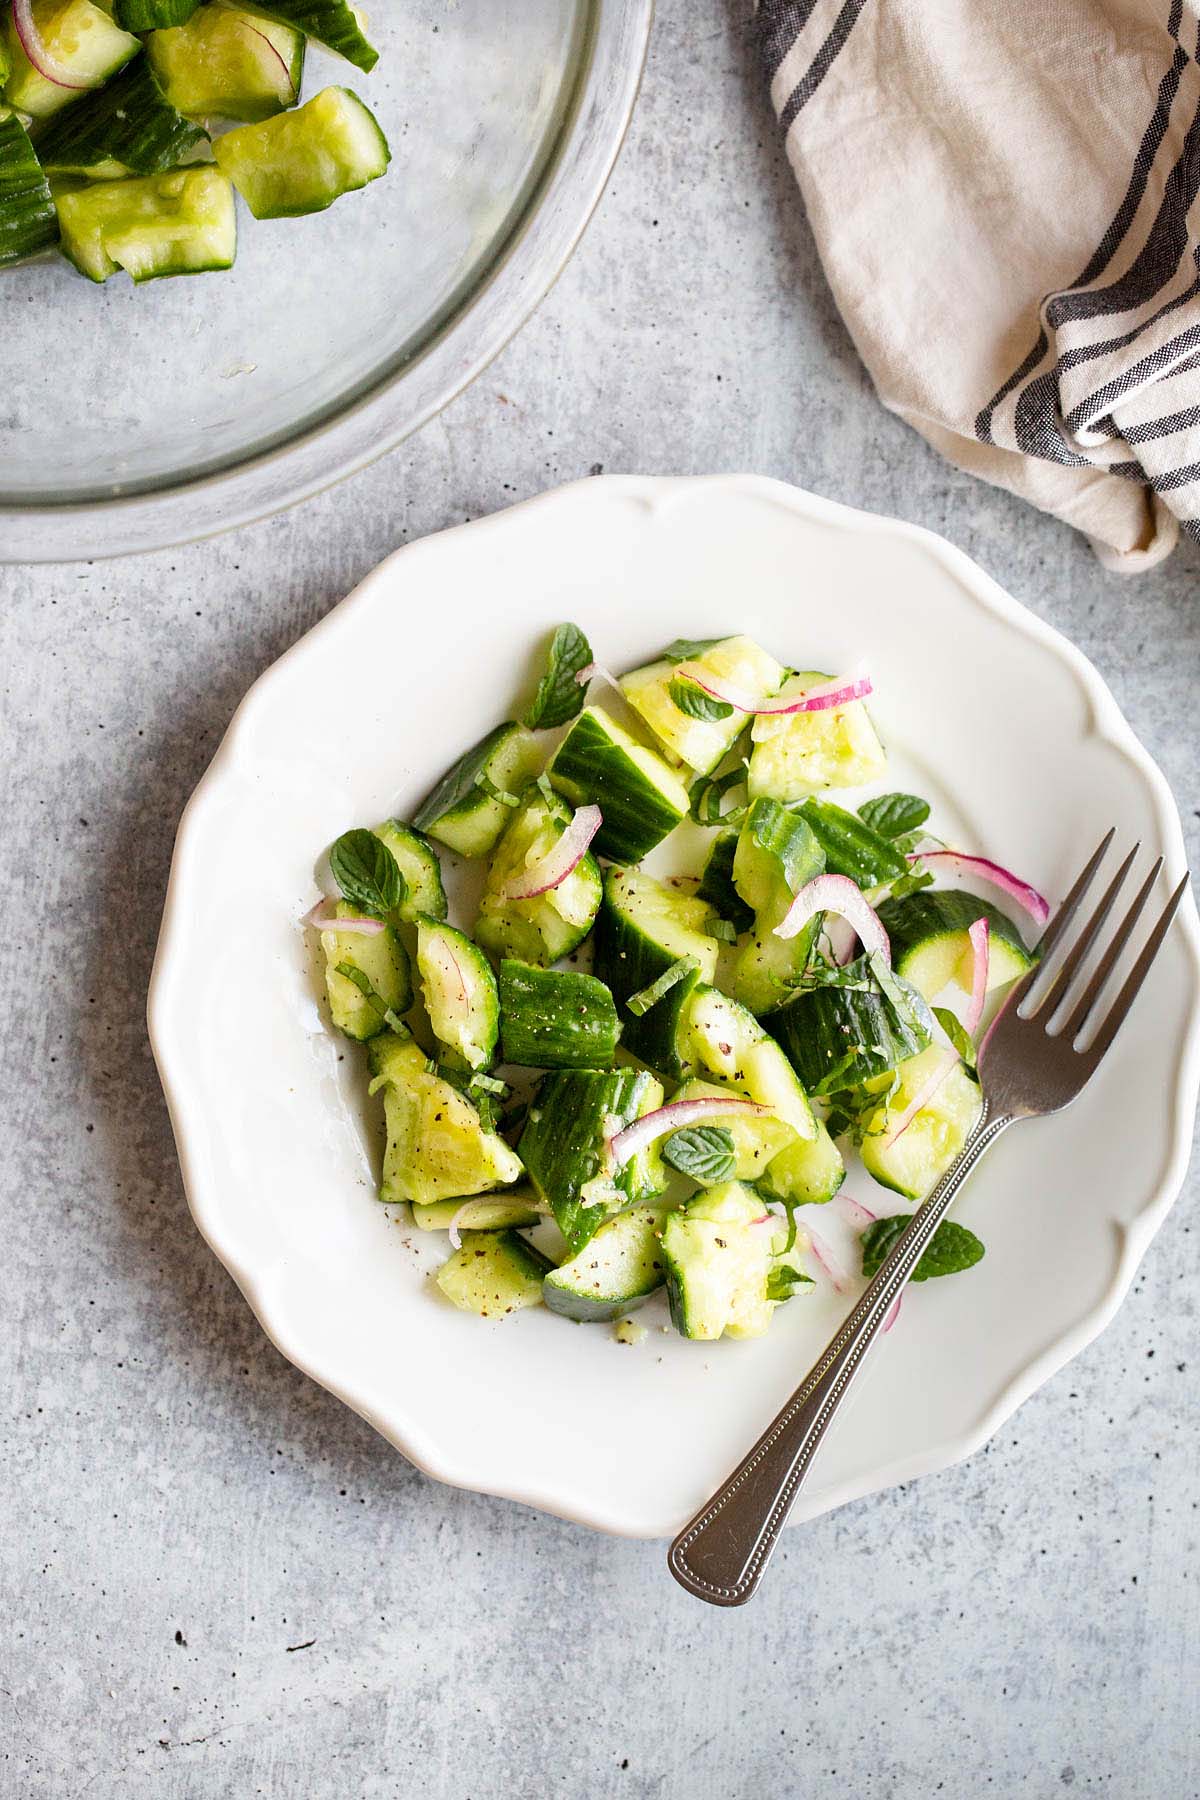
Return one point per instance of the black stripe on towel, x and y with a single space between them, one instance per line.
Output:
1161 361
1119 225
822 62
778 24
1160 428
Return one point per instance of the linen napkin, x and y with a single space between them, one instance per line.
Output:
1004 196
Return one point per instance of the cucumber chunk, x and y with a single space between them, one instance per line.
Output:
549 925
851 847
563 1146
382 959
495 1273
516 1207
701 743
334 23
620 1267
640 797
460 992
301 162
797 754
152 15
777 853
721 1038
418 863
225 63
461 812
842 1037
80 36
808 1172
755 1141
933 1137
555 1020
644 928
176 224
720 1253
28 221
396 1059
438 1148
128 126
931 946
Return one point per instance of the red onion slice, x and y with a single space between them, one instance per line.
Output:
275 51
674 1117
860 1215
980 936
41 58
828 1263
323 917
922 1097
841 937
553 868
954 862
893 1313
837 894
815 699
597 672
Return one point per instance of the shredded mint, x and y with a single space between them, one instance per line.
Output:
721 929
559 696
368 874
496 793
891 815
783 1281
703 1152
693 701
705 796
646 997
546 789
957 1033
374 998
951 1248
912 883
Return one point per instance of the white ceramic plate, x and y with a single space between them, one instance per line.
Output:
989 712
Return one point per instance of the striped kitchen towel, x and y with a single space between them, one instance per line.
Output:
1005 198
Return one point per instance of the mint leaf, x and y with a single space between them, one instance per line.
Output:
704 1152
951 1248
693 701
646 997
721 929
783 1281
559 696
958 1035
496 793
706 793
368 874
891 815
685 649
912 883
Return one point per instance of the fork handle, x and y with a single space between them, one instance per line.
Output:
721 1554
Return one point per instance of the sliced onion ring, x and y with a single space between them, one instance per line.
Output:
822 698
980 936
893 1312
954 862
325 919
41 58
674 1117
838 1278
841 938
859 1214
922 1097
837 894
552 869
595 671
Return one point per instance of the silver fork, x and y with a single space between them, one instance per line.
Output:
1026 1068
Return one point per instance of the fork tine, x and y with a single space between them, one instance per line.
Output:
1108 962
1070 905
1119 1009
1060 986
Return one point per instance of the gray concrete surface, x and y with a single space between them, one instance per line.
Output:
216 1580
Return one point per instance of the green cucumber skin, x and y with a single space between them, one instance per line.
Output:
129 120
716 884
580 1290
28 220
458 784
330 22
840 1037
626 961
783 840
934 912
555 1019
587 768
152 15
851 847
563 1141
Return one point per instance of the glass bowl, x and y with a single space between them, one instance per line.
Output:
136 418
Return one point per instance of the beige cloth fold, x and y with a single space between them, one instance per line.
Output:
1004 196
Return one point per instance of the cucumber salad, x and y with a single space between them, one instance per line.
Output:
608 1081
127 125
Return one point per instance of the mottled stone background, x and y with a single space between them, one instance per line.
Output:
216 1580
